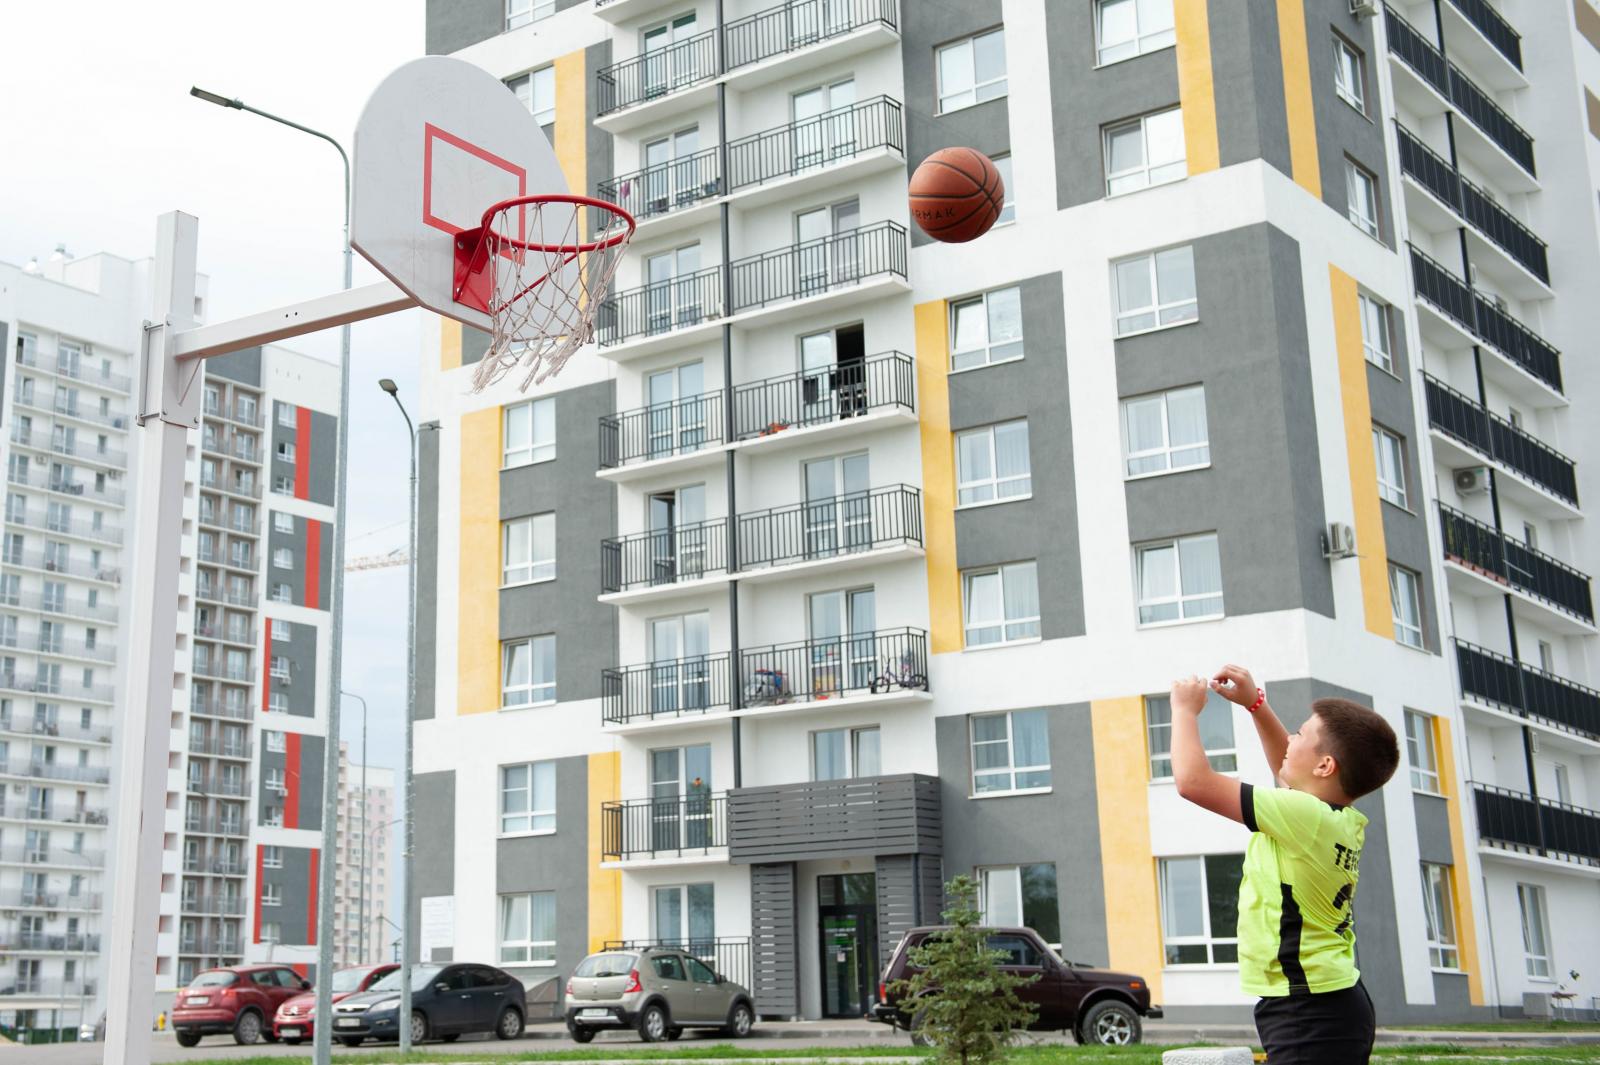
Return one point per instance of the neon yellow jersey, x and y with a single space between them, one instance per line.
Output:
1296 902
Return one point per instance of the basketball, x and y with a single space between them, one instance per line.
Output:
956 195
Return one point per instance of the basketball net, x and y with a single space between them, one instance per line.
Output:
547 284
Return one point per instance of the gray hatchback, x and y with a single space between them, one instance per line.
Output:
658 992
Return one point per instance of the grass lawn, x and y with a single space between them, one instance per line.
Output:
1504 1026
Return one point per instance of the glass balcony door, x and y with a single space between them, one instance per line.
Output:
842 653
679 673
677 417
837 516
680 798
824 128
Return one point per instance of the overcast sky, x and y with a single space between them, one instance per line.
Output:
103 137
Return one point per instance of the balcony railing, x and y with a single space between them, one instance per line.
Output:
55 990
1456 415
660 307
846 389
829 667
1507 41
728 956
77 815
87 530
656 73
223 671
58 729
669 556
68 606
830 528
1520 689
675 827
218 708
835 818
72 567
41 441
210 946
214 867
674 688
45 684
1517 821
666 187
229 633
1447 79
110 495
817 266
661 430
214 594
215 826
220 748
1468 201
75 371
1480 317
816 142
76 774
1480 548
799 24
25 899
227 905
12 942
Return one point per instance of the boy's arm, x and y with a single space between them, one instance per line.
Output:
1244 691
1196 780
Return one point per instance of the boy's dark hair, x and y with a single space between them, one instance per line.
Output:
1361 742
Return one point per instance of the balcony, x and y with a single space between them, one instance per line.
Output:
680 830
237 788
1490 137
652 561
829 819
73 369
1503 564
218 709
728 956
57 729
215 826
58 646
797 26
223 671
243 635
64 606
77 815
1519 823
213 594
1501 245
655 75
24 899
238 750
657 191
109 496
12 942
666 690
38 440
53 563
856 529
889 665
214 866
73 774
65 857
1540 472
65 526
51 992
661 307
249 417
818 266
46 684
798 407
1531 366
224 905
210 946
1518 689
1487 41
653 436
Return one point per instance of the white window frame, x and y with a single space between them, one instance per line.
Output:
1008 349
1218 710
281 629
1160 309
1354 175
1439 925
1405 632
1389 453
278 668
282 521
282 558
521 13
1354 95
1144 168
1009 571
999 489
271 932
1011 770
1421 755
949 101
282 484
288 415
285 451
538 694
272 894
1207 938
277 702
1183 618
277 780
1536 963
1375 320
1143 42
271 857
517 453
529 87
535 569
277 742
526 821
530 952
1166 450
1008 192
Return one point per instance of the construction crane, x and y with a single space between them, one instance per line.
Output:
396 557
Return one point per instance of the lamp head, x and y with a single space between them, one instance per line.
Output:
212 98
388 385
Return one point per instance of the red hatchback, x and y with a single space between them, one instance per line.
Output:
293 1022
240 1000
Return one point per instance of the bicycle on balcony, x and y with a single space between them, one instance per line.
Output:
904 676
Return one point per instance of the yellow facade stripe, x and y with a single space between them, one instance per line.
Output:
478 603
1373 551
1196 93
1122 796
572 124
449 344
932 322
605 885
1296 62
1460 875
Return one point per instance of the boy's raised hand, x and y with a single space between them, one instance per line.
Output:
1243 688
1189 695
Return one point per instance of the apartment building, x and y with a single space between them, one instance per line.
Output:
245 829
845 561
364 874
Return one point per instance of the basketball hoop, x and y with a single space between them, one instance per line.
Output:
527 267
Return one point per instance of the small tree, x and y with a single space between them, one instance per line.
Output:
962 1002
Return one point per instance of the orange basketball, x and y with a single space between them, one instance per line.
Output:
956 195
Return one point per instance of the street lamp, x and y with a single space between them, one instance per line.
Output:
361 931
322 1045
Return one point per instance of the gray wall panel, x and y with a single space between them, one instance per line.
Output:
243 366
5 335
427 635
774 936
1341 129
601 164
434 867
301 651
1247 75
297 893
312 760
451 25
1433 827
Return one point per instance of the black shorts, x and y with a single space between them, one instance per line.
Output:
1333 1028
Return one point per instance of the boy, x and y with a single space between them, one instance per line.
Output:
1296 921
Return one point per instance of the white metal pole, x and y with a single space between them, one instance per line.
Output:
166 413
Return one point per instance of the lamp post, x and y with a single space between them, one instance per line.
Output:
361 933
322 1045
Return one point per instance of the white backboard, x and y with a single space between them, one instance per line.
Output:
439 141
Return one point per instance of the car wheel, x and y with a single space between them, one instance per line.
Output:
187 1039
1111 1023
247 1029
350 1040
741 1020
581 1035
509 1026
451 1038
419 1027
653 1024
918 1038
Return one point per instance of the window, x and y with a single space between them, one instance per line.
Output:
1200 909
271 932
287 413
530 432
281 630
277 703
971 71
528 928
1547 656
1002 604
529 675
276 781
1126 28
1008 192
528 797
1563 783
530 549
1361 192
1347 74
272 857
1146 151
1216 734
1024 896
1375 332
282 484
522 12
1535 941
1156 290
1420 753
1165 432
1407 605
992 464
842 753
285 451
1179 580
281 592
1010 751
537 90
1439 910
986 330
282 522
1390 453
275 742
279 668
283 558
272 894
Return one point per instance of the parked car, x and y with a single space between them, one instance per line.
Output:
241 1000
1095 1005
447 1001
658 992
294 1018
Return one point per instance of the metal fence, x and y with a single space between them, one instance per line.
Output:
1456 415
664 556
798 24
656 73
1507 41
661 430
1481 317
1480 547
660 307
828 667
817 266
672 688
846 389
828 528
728 956
663 828
796 147
666 187
1519 688
1518 821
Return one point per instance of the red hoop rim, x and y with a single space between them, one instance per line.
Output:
569 249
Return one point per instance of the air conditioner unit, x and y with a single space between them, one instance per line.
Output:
1339 541
1471 480
1363 8
1472 274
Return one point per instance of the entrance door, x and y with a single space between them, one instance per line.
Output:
847 930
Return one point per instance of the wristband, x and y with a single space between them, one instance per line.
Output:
1261 698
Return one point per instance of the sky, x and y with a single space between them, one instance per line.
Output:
103 136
